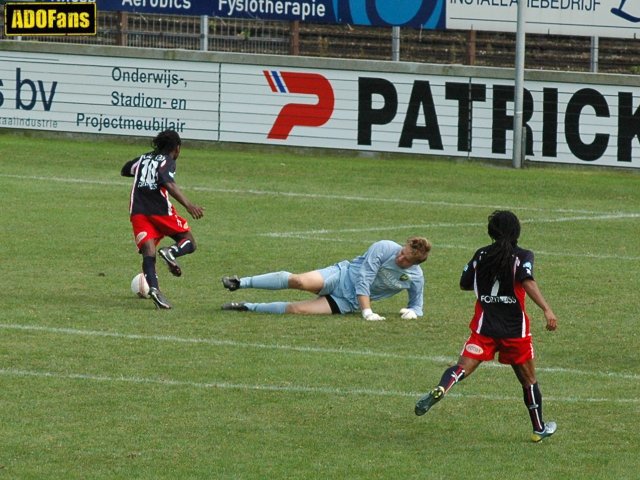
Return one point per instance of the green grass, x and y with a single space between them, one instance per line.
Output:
97 384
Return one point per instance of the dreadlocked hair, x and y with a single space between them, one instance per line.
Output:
504 229
165 142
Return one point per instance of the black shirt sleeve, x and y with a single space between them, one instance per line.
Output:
469 272
126 168
524 270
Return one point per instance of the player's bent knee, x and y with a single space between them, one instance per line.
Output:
295 282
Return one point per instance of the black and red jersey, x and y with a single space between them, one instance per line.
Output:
499 310
151 173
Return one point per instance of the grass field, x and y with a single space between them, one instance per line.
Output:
97 384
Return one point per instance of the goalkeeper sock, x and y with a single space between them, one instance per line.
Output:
268 281
533 401
274 307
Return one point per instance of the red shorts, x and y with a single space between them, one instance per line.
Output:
156 227
511 351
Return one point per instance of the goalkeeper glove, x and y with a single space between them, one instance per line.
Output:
368 315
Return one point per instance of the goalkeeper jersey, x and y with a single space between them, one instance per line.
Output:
376 274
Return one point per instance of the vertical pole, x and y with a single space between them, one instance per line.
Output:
294 38
519 86
594 54
123 29
471 47
395 44
204 33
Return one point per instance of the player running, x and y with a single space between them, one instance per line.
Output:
153 216
501 274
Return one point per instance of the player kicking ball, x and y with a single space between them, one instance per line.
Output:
152 215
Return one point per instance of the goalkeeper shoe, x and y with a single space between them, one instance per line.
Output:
159 299
231 283
429 400
237 306
167 256
549 429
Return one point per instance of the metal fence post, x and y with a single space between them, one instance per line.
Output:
594 54
122 36
471 47
294 38
395 44
204 33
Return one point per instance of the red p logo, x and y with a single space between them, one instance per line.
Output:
300 114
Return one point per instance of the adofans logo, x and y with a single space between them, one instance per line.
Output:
33 18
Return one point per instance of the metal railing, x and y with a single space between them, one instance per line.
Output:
344 41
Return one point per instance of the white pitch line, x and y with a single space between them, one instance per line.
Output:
314 234
283 388
301 349
603 216
316 238
217 342
360 198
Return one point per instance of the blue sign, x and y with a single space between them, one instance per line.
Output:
163 7
427 14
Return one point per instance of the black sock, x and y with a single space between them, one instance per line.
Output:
451 376
183 247
149 270
533 401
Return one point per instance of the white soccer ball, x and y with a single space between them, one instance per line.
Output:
139 286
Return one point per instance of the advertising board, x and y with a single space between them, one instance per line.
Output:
601 18
450 112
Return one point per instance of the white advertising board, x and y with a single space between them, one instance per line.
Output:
590 18
419 113
118 95
433 115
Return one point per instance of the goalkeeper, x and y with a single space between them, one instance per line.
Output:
385 269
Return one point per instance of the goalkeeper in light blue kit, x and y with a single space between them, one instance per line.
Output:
385 269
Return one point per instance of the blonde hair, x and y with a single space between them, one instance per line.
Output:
420 248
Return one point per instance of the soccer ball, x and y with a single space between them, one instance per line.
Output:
139 286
